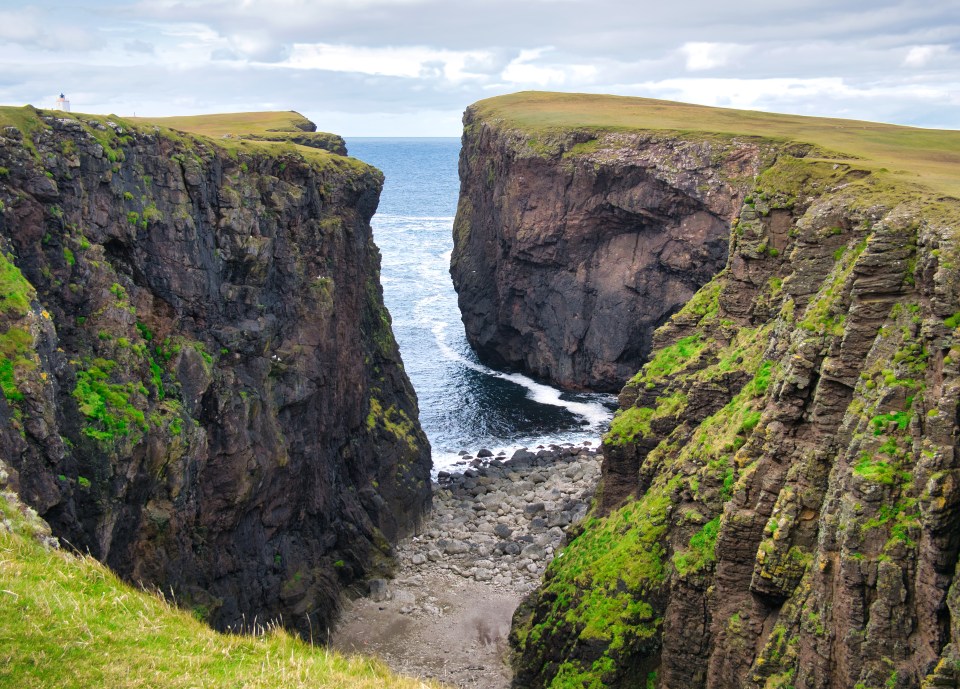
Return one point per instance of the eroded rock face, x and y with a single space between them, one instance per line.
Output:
200 381
779 490
570 250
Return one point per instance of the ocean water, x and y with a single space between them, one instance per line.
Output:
464 405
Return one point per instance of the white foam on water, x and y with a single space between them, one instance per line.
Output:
454 462
595 413
436 311
416 218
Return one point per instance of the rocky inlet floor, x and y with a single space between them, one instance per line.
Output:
493 530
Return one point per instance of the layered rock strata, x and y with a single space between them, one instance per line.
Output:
780 494
200 383
572 246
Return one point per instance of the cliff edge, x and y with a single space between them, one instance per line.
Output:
200 383
780 494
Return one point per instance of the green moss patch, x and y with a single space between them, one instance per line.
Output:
111 407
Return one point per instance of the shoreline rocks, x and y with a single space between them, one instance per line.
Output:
502 522
492 532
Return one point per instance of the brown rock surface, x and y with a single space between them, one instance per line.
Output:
779 504
571 248
200 382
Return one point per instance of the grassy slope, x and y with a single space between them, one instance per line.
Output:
235 123
929 157
67 621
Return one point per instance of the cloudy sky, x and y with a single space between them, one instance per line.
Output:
409 67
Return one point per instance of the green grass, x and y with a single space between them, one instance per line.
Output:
234 123
16 341
700 552
252 132
108 406
68 622
673 358
16 292
930 157
599 583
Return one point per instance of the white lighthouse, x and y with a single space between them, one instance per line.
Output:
63 103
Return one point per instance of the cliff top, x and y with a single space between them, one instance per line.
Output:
234 123
930 157
248 132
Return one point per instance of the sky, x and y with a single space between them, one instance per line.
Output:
410 67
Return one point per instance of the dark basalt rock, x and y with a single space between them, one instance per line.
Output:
201 386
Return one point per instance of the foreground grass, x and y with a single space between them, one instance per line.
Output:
67 621
929 157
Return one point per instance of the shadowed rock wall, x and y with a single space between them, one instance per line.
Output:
200 382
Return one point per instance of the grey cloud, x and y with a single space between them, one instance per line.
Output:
139 46
632 48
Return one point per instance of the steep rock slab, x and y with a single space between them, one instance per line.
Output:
572 247
780 498
200 383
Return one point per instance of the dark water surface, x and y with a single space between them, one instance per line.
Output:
463 404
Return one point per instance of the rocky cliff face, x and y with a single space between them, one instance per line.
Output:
780 503
200 383
572 247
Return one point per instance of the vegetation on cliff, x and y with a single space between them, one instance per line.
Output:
780 492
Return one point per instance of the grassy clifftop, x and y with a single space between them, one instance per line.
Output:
235 123
926 157
274 133
287 127
68 621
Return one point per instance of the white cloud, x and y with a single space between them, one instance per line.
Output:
523 71
20 26
922 55
702 56
387 61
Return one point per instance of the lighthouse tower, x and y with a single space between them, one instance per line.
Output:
63 103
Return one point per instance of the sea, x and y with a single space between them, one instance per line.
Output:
464 405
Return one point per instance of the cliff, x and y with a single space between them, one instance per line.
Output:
200 384
780 499
572 246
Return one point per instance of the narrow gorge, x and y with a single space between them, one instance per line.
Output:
779 504
200 382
